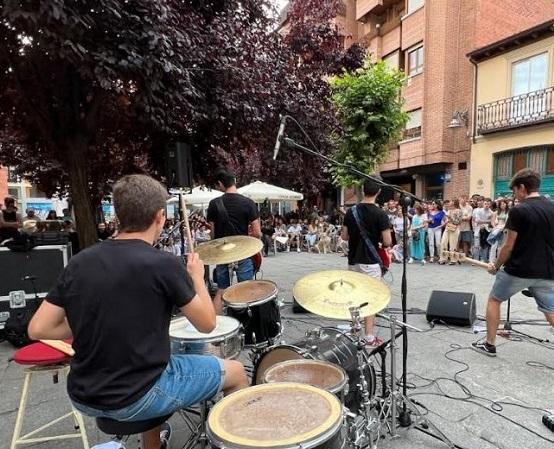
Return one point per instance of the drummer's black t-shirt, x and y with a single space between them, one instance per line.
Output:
118 296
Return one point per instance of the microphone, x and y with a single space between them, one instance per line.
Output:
279 137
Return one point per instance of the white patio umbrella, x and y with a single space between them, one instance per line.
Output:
260 191
198 196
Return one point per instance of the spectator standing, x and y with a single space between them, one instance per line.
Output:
435 216
466 235
451 234
483 220
496 237
419 229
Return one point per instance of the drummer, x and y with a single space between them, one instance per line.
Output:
115 300
232 214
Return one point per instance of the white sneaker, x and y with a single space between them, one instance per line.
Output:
297 250
423 262
411 260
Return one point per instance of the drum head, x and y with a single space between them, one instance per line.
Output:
274 416
248 292
182 329
317 373
273 356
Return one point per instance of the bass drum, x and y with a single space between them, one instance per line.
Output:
329 344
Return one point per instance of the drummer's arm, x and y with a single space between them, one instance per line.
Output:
200 310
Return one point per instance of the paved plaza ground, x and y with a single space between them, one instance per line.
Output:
520 380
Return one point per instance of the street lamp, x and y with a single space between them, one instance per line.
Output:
459 117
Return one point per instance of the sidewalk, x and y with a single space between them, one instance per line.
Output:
470 423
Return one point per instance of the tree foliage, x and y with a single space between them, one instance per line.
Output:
369 108
91 90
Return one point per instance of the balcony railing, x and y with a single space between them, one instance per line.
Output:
514 112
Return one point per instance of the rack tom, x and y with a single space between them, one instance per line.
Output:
225 341
277 416
318 373
254 304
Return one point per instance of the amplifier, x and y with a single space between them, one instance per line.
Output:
26 275
456 308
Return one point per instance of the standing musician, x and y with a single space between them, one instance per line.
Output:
232 214
527 256
115 299
375 222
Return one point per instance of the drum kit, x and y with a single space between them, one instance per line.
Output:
320 392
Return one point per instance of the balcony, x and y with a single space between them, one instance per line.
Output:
364 7
515 112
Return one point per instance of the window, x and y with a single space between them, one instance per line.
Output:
529 74
415 61
414 4
392 61
413 127
504 165
550 164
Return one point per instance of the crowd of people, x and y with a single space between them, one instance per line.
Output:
471 226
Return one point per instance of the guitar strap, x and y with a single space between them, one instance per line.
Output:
369 244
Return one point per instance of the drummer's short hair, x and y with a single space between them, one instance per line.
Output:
371 188
137 199
226 178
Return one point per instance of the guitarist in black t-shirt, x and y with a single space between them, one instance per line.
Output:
527 256
232 214
115 300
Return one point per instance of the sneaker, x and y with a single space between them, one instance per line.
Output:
423 262
373 341
297 250
452 263
484 347
165 435
527 293
411 260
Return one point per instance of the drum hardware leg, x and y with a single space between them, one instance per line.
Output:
198 431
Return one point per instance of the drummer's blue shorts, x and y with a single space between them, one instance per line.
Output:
186 380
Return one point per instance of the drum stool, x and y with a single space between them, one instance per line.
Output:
123 429
40 359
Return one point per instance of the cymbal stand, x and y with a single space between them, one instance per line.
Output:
389 405
363 424
231 267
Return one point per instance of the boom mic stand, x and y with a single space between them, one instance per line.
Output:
406 198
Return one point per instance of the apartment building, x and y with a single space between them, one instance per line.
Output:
514 106
3 183
429 41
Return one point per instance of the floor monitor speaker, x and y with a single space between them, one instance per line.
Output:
457 308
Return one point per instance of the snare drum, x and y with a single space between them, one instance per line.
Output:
254 304
225 341
279 415
317 373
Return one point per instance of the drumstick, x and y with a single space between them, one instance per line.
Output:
186 220
60 345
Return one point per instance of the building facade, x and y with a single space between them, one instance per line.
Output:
3 183
514 106
429 40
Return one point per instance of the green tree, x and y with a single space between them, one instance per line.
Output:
369 108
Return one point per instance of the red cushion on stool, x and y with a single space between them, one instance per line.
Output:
39 354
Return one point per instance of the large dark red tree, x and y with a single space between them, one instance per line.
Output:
90 90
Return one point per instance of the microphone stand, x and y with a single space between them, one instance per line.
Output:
406 198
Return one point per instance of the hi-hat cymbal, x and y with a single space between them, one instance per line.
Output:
228 249
331 293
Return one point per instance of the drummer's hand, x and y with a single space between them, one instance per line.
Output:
195 266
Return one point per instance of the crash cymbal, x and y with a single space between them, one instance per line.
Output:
330 293
228 249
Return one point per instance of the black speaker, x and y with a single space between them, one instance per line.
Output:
178 165
456 308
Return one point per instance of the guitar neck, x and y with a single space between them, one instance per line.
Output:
477 263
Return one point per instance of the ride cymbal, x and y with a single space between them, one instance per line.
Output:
228 249
331 293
